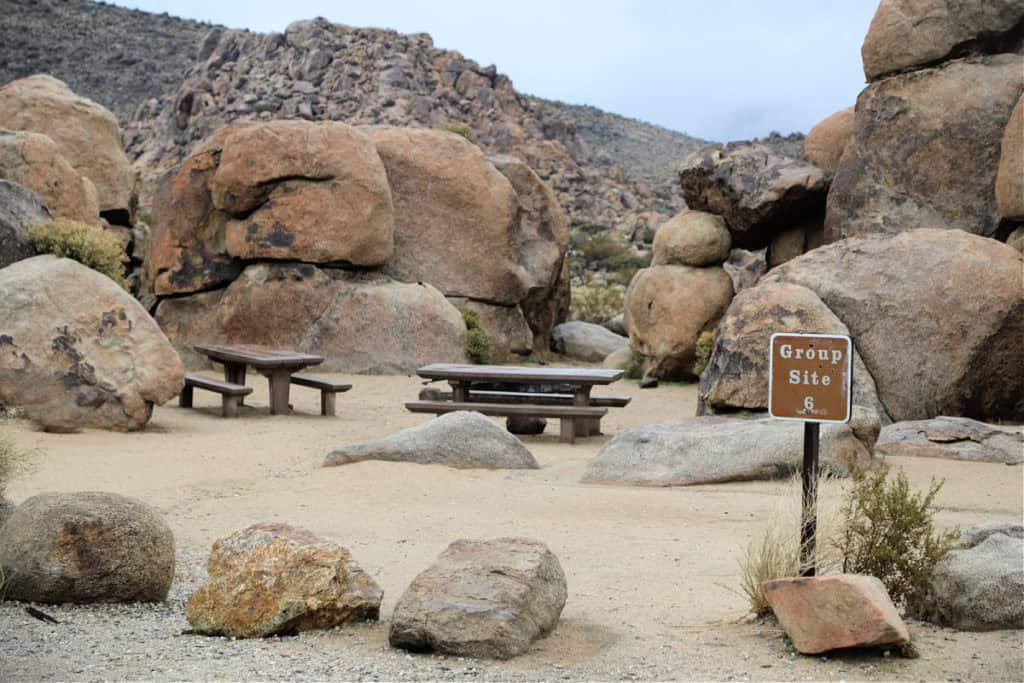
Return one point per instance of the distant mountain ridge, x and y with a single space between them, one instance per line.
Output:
173 81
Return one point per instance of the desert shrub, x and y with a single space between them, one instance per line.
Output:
596 302
478 346
600 250
705 342
888 532
12 461
457 128
635 368
89 245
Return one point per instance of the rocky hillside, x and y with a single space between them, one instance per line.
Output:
172 82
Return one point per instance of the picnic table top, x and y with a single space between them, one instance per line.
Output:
258 356
526 375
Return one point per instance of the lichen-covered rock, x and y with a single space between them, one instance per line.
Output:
1010 176
482 599
20 207
826 141
707 450
272 579
86 547
78 351
462 440
925 150
756 189
691 238
359 322
35 161
86 134
908 34
667 307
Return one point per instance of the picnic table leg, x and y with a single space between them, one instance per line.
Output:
460 391
581 399
235 373
280 382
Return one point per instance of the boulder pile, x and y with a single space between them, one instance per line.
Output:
346 241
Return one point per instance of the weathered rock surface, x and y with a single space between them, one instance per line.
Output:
34 161
507 330
745 268
979 587
736 377
1010 176
585 341
1016 239
86 134
359 322
462 440
691 238
907 34
282 190
957 438
19 208
934 345
826 141
616 325
756 189
455 215
482 599
822 613
667 307
706 450
272 579
925 151
78 351
86 547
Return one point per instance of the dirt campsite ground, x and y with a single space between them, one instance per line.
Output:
653 573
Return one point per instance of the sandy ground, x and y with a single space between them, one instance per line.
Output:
652 573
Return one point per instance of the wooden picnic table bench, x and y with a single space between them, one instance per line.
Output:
576 408
277 365
231 394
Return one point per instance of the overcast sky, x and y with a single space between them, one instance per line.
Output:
720 70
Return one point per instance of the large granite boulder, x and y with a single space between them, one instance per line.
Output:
1010 176
20 207
86 547
707 450
736 376
456 215
272 579
956 438
822 613
281 190
908 34
936 316
755 188
585 341
482 599
78 351
35 161
667 308
925 150
980 586
826 141
462 440
543 240
359 322
691 238
86 133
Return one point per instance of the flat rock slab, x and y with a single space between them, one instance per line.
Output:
586 341
463 440
707 450
956 438
822 613
482 599
274 579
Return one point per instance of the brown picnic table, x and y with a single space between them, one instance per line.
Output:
579 411
277 365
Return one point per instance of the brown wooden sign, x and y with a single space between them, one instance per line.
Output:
810 377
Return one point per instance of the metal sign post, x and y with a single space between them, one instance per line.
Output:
810 380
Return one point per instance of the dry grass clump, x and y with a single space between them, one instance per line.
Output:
91 246
596 302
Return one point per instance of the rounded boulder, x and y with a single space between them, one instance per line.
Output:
692 238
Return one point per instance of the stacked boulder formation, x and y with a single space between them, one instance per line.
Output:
346 241
684 293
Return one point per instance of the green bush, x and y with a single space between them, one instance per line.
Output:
478 346
888 532
89 245
600 250
705 342
596 302
457 128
